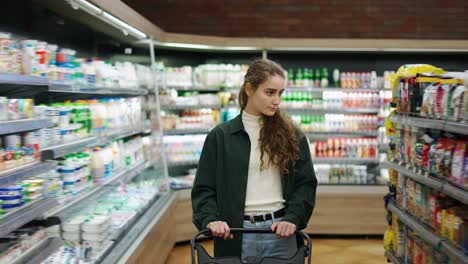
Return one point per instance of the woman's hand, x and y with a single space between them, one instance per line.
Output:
220 229
283 229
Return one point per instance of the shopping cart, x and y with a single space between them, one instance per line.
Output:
202 257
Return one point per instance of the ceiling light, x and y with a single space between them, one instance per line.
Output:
108 18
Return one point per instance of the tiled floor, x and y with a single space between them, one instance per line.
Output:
325 251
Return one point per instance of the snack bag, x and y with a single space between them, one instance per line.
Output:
458 103
458 163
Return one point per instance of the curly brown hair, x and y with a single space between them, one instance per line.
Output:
278 138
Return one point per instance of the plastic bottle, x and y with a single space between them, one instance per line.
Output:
299 78
336 77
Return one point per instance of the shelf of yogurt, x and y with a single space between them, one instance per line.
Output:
93 230
41 59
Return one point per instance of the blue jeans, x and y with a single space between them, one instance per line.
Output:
266 245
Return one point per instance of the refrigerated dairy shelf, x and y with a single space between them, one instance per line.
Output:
40 252
11 176
67 148
432 182
32 85
455 127
25 80
393 258
182 163
297 110
331 89
344 161
16 218
189 107
123 134
22 125
187 131
61 87
427 234
124 176
201 88
126 245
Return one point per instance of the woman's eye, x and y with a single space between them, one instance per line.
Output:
269 93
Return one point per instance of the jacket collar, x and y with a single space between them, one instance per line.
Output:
236 124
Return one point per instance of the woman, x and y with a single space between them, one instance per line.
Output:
255 171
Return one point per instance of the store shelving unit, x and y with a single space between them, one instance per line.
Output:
22 125
297 110
202 88
187 131
60 87
393 258
16 218
22 80
182 163
330 89
434 183
77 202
338 134
126 244
344 161
190 107
427 234
40 251
10 176
67 148
455 127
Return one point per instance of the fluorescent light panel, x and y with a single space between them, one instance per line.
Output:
108 18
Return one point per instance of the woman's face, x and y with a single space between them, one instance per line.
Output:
266 99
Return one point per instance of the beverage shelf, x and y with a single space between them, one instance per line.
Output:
427 234
330 89
344 161
16 218
11 176
297 110
455 127
187 131
432 182
22 125
332 134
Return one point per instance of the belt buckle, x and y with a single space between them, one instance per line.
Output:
251 219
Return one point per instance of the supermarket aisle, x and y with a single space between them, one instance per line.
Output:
325 251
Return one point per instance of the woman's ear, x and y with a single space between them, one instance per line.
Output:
249 90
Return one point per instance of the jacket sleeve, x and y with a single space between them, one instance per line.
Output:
301 202
204 206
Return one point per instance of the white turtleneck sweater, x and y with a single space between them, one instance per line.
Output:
264 188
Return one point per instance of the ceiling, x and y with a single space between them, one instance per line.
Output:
420 19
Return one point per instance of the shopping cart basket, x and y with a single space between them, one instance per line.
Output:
202 257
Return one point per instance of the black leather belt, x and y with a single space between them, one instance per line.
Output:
264 217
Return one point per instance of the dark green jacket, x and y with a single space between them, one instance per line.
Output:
220 184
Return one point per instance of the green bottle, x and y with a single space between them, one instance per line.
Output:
324 80
299 78
290 77
317 78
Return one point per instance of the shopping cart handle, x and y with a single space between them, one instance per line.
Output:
207 232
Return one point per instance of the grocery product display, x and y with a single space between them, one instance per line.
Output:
39 58
428 167
92 156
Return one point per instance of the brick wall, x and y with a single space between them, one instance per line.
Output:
417 19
